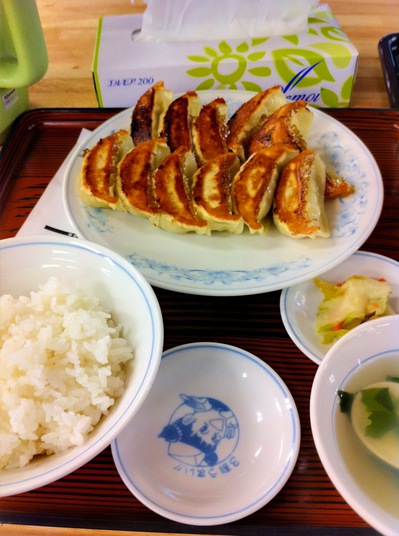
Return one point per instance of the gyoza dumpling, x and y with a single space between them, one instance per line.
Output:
250 116
254 185
290 124
211 193
176 121
209 130
147 113
98 174
298 207
172 192
134 178
336 185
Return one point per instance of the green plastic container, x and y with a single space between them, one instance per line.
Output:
23 58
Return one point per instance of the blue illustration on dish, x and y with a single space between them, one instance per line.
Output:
202 435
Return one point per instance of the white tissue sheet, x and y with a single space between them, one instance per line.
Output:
199 20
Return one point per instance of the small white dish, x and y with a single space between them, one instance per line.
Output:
26 263
366 355
299 303
216 439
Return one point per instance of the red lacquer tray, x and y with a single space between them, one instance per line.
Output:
95 496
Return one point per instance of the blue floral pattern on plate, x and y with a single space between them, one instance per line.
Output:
98 221
212 277
342 159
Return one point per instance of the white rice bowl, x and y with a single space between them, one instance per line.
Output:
78 411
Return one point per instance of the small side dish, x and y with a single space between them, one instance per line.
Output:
304 312
195 442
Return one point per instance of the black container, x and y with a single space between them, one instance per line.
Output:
388 48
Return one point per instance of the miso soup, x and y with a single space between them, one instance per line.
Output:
377 479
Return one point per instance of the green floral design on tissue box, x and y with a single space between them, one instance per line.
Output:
241 66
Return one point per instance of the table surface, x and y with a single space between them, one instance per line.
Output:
70 28
308 504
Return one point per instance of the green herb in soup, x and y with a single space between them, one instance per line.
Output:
345 401
374 413
382 412
379 403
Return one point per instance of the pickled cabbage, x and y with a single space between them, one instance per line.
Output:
348 304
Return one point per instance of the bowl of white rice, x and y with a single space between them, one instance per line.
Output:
81 339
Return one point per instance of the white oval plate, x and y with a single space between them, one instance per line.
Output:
299 303
374 344
224 264
216 439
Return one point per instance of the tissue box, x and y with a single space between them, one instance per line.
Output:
318 66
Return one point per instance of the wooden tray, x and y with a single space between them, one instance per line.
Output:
95 496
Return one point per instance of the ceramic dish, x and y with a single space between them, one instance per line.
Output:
224 264
26 263
217 438
365 355
299 303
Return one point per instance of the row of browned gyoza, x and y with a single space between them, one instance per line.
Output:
187 167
